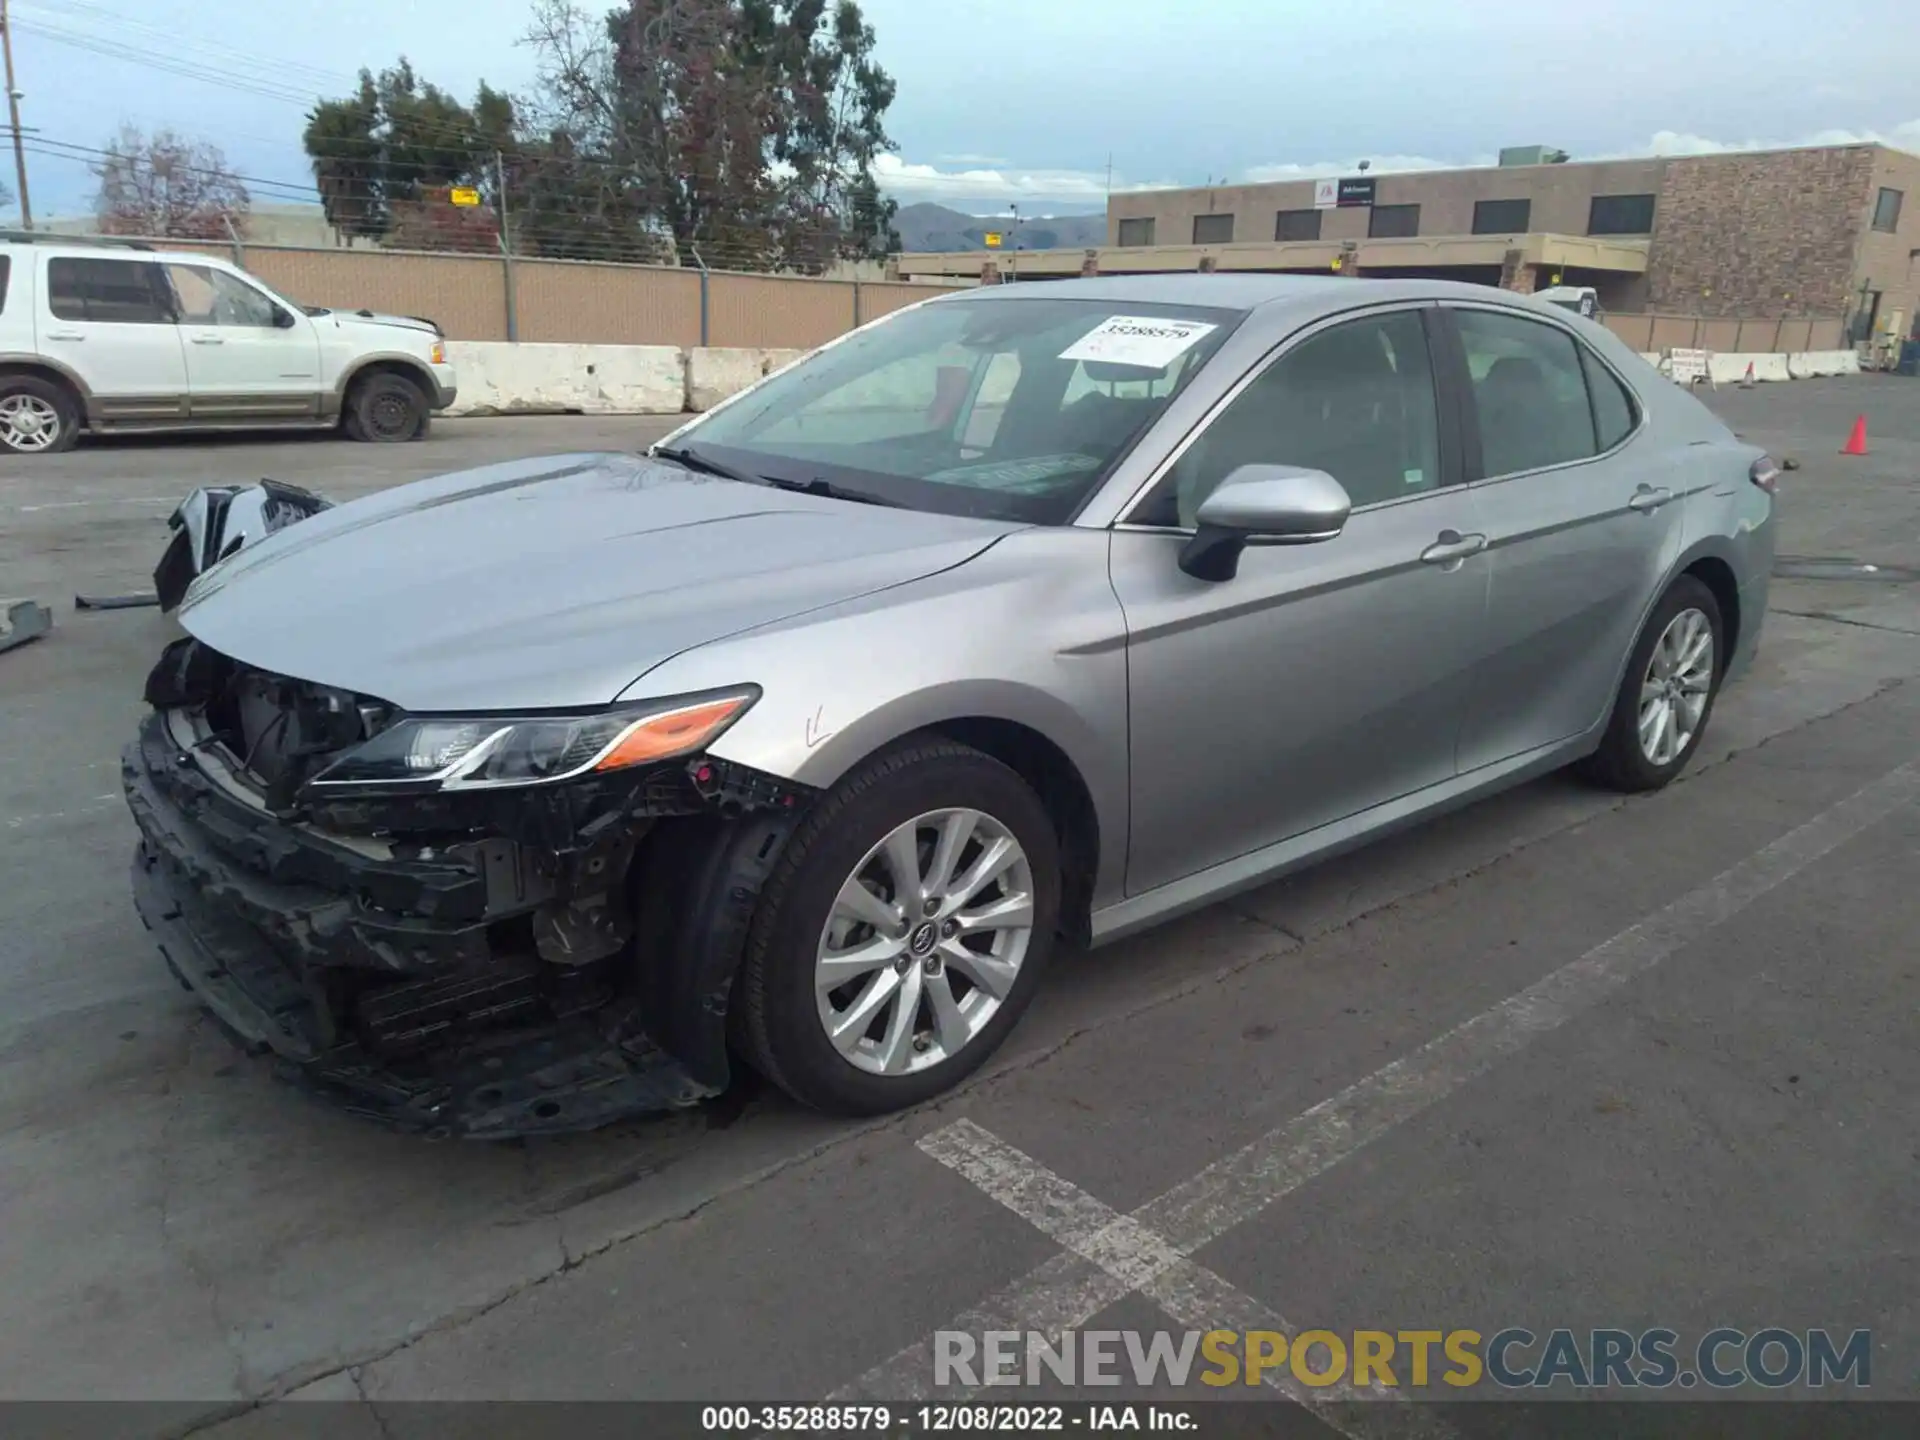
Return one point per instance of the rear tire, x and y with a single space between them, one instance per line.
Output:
1667 695
385 408
37 416
956 967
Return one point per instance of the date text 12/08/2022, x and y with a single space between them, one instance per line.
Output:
943 1419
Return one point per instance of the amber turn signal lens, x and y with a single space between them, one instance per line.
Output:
673 732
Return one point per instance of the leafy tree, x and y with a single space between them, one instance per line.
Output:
164 185
746 130
385 157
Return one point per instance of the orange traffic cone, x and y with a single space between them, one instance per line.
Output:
1746 381
1857 441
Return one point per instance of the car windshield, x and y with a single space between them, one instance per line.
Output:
1009 408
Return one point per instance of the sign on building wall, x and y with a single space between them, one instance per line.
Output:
1355 190
465 197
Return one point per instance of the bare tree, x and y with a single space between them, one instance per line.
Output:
165 185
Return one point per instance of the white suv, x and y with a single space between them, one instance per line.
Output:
108 336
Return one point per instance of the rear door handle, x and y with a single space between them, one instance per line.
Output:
208 340
1452 546
1646 500
65 335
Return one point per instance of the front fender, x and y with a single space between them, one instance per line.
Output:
1028 633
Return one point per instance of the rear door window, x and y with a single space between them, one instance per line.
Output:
1528 391
1613 409
120 292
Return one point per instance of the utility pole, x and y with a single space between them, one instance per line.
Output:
510 282
13 113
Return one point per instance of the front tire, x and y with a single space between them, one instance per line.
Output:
1666 699
904 931
386 409
37 417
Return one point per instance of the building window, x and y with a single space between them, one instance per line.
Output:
1620 215
1296 225
1501 217
1137 232
1212 229
1886 210
1393 221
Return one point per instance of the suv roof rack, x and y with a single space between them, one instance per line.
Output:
47 237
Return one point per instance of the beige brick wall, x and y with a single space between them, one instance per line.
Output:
1885 262
1769 234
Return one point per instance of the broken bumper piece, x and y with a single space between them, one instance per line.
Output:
396 980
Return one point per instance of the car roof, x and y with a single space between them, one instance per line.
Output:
1243 290
95 249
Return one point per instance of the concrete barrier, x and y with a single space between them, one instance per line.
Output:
714 375
1804 364
497 378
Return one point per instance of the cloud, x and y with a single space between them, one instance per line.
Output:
1904 136
983 181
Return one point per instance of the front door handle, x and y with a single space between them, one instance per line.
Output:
1451 547
1646 499
209 340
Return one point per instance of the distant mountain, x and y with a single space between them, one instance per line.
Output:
927 227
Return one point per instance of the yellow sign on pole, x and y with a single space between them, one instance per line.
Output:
993 239
464 197
1336 262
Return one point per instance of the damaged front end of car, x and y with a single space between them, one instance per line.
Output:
475 925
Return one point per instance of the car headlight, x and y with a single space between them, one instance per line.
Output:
487 752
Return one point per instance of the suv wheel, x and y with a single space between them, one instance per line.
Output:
386 408
37 417
905 929
1668 693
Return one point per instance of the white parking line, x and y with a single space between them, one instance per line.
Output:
1140 1260
1070 1289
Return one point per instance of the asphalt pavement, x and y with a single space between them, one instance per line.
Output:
1559 1060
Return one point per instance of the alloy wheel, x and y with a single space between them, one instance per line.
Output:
28 423
1675 689
924 941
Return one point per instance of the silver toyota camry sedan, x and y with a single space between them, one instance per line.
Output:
518 800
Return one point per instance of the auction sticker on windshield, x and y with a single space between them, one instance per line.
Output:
1143 340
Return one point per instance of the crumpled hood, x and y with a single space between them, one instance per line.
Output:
550 582
347 319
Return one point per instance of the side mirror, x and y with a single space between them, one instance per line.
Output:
1263 505
282 320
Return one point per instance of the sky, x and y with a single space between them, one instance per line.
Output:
1037 102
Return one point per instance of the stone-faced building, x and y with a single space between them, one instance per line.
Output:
1830 233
